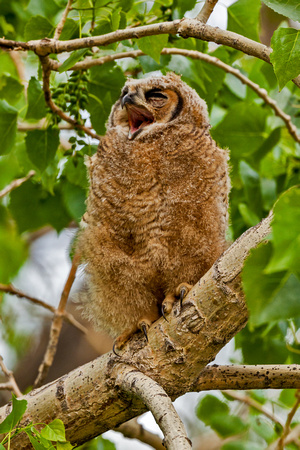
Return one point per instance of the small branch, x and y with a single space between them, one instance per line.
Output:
254 404
88 62
249 377
12 384
133 430
15 184
287 426
10 289
159 403
61 24
206 10
57 325
47 93
41 125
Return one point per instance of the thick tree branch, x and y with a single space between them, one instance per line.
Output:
212 313
249 377
185 28
157 401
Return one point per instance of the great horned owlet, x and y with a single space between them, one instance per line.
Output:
157 207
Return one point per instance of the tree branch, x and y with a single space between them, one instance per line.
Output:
45 62
15 184
11 384
10 289
253 404
206 10
248 377
89 62
134 430
286 429
62 22
191 338
57 325
157 401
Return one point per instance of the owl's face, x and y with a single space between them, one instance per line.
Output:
145 103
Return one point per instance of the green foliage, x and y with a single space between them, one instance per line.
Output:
51 436
286 54
264 160
288 8
243 18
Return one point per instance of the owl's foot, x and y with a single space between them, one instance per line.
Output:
143 324
181 291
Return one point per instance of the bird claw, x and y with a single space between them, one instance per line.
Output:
163 312
182 293
114 350
144 329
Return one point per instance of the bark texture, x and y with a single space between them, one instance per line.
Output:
89 401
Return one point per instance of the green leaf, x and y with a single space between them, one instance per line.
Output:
243 18
36 100
285 303
251 182
41 146
153 45
70 30
287 397
104 89
10 88
210 406
288 8
227 425
18 410
285 56
263 428
74 199
73 59
105 444
38 27
8 126
54 431
242 129
286 233
33 207
64 446
258 286
34 442
184 5
76 173
241 445
13 251
2 447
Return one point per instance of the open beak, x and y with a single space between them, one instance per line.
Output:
138 116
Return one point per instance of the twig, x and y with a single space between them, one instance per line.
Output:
16 183
10 289
88 62
12 384
254 404
159 403
61 24
41 125
249 377
46 87
57 325
133 430
206 10
287 426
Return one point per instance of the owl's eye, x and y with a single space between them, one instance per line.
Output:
155 93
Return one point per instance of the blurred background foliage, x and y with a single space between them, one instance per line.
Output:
264 157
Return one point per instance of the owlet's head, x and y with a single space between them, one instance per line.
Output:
153 101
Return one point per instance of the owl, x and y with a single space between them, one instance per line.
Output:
157 206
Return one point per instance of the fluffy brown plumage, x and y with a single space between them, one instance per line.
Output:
157 208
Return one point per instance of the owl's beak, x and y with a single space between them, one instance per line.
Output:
128 98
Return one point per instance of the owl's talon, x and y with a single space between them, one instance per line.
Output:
114 350
163 312
144 329
182 290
